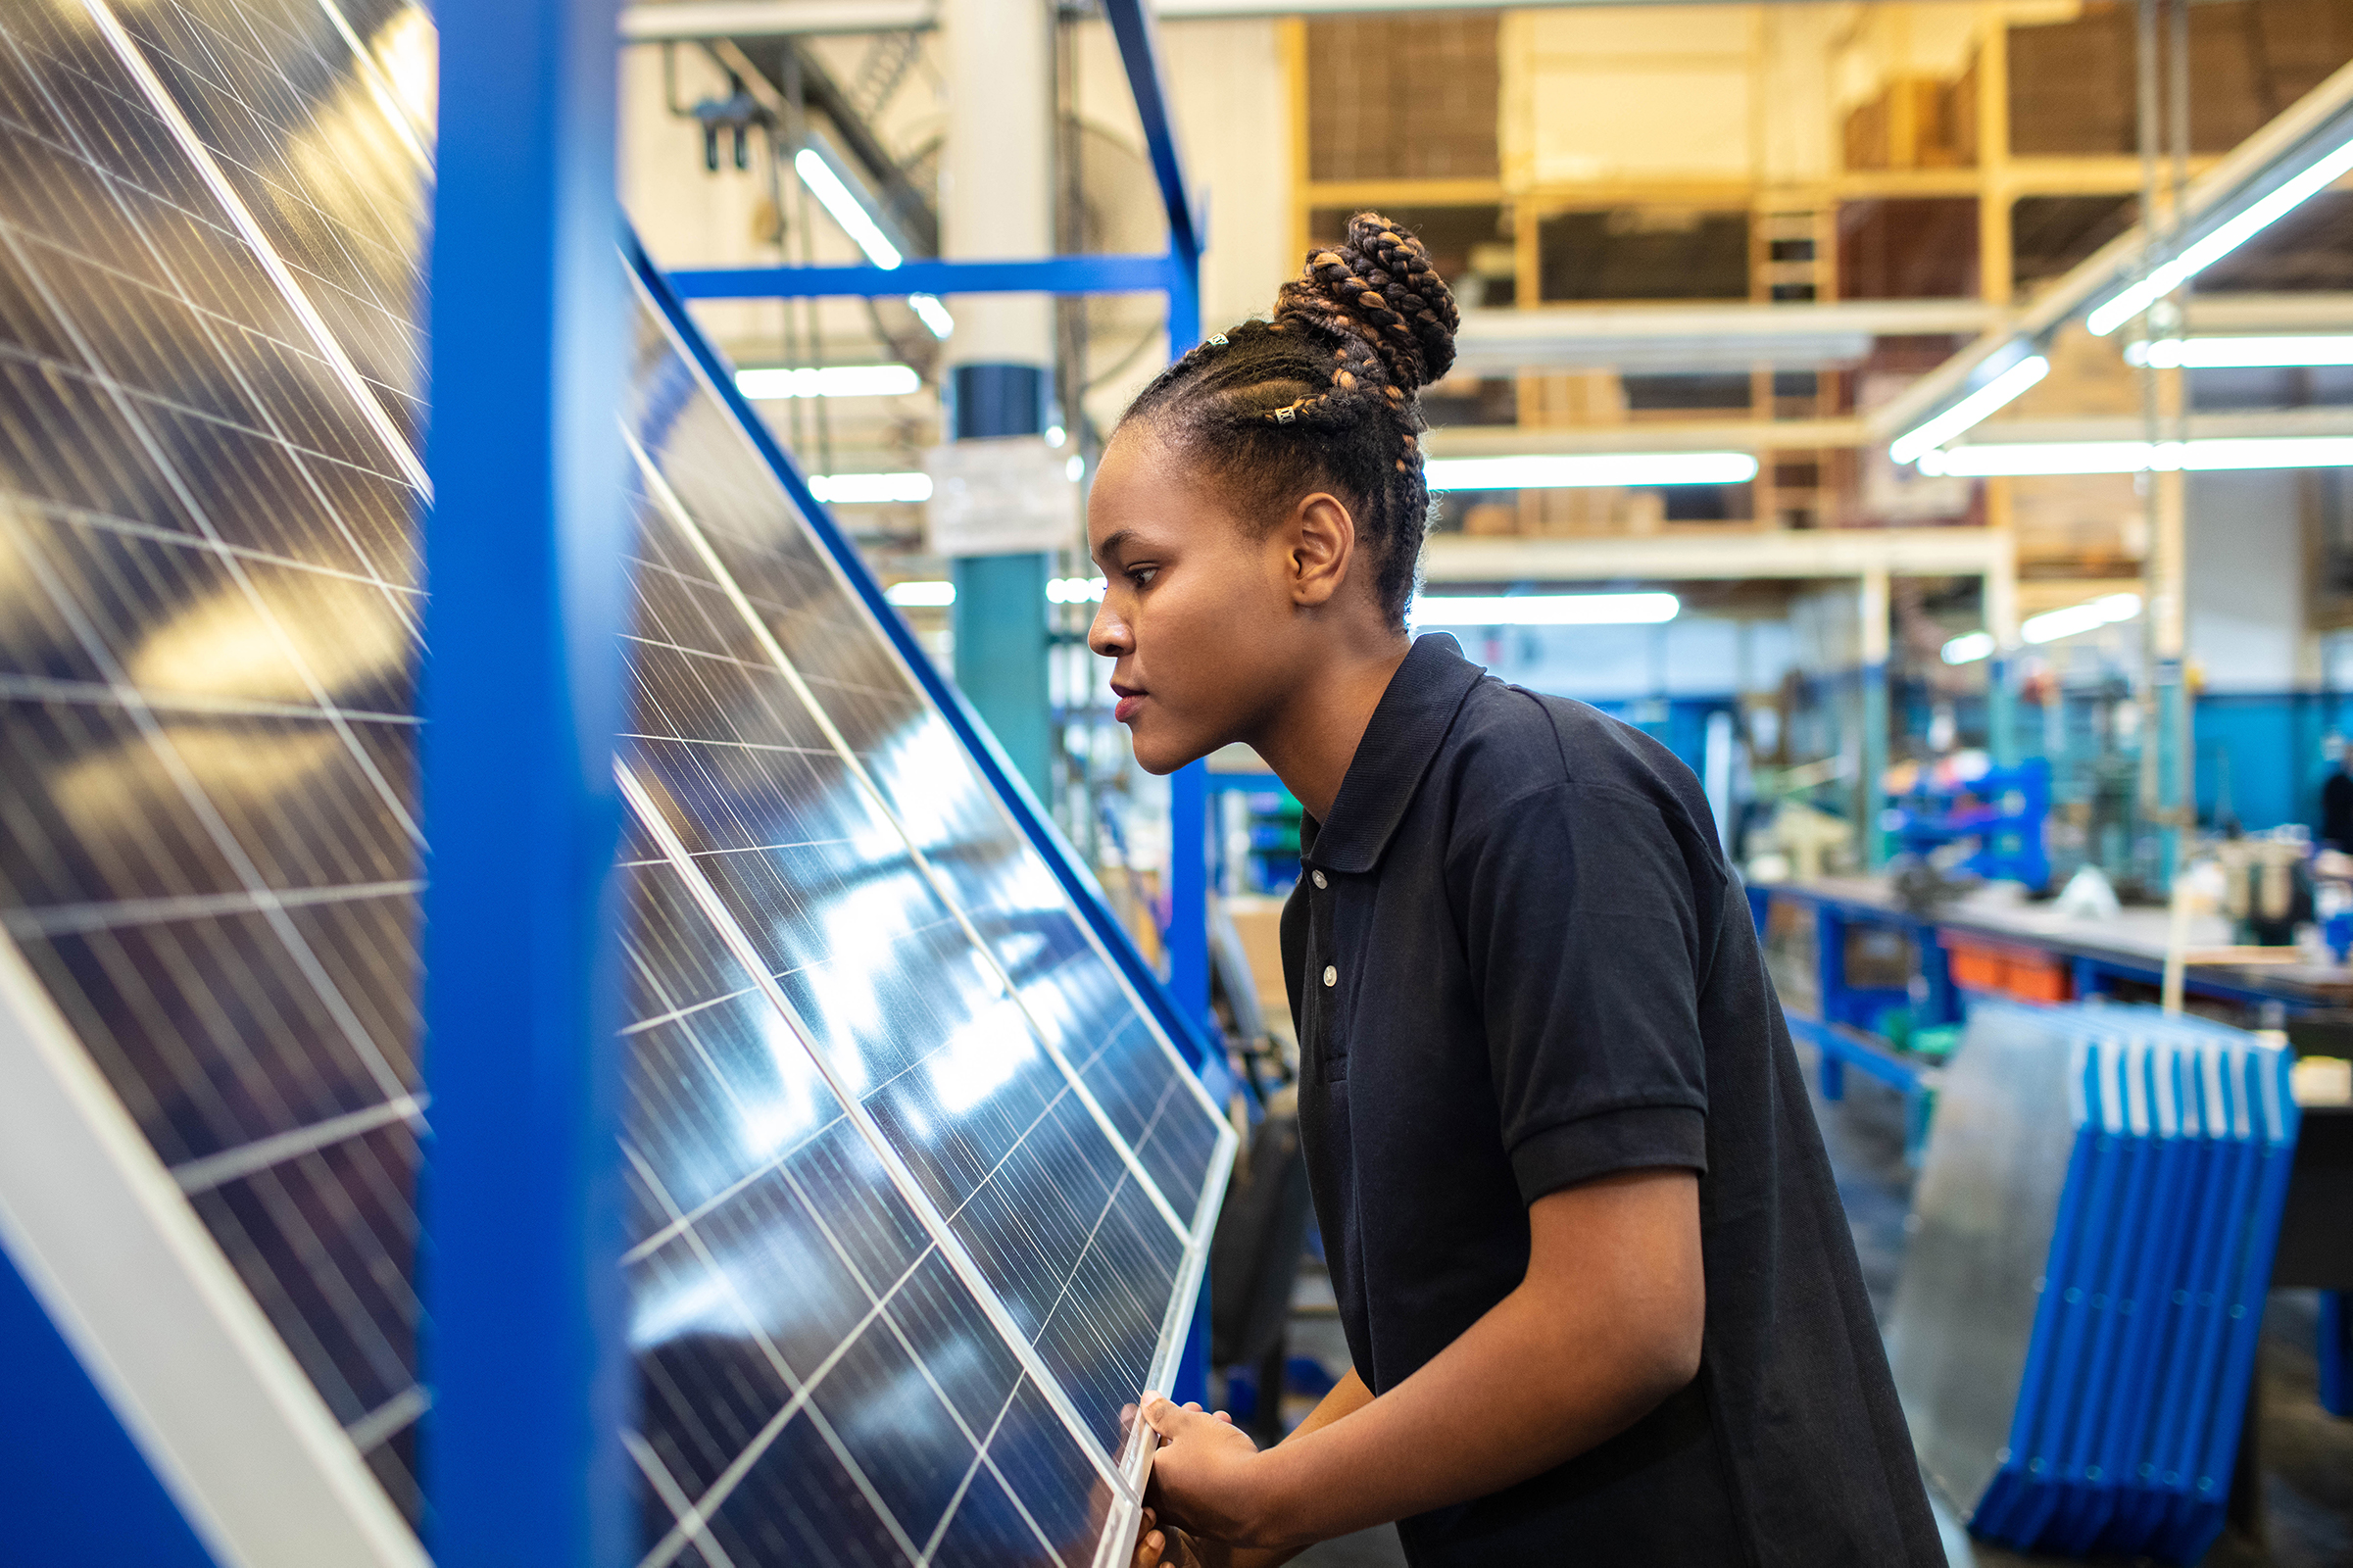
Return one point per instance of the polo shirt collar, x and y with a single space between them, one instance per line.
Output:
1412 718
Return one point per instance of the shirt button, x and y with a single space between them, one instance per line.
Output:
1319 880
1330 974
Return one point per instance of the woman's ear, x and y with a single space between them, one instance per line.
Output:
1323 547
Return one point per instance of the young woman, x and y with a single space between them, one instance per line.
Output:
1596 1283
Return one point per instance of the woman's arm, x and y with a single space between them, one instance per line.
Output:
1348 1396
1605 1325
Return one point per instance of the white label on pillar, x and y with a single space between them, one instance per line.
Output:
1000 495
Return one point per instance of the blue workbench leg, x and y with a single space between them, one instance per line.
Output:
1941 1004
1829 963
2337 1353
1760 910
2089 982
1833 1077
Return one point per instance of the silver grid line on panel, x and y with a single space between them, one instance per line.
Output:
322 704
676 512
910 1191
142 71
1184 1069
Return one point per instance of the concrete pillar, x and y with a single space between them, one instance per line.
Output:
997 204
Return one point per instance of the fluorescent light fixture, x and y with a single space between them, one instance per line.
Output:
920 594
859 223
1969 648
870 488
2076 619
1921 439
1544 609
2238 353
1978 460
1075 469
1075 590
932 314
1586 470
827 381
2220 242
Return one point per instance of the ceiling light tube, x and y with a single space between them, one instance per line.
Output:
932 314
2221 241
763 384
2240 352
1981 460
1995 394
1968 647
2076 619
1587 469
859 223
1544 609
921 594
870 489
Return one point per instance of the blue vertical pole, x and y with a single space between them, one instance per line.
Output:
1188 838
525 556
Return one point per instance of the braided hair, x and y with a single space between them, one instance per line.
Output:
1322 397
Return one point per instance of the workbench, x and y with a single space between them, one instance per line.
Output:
1842 1023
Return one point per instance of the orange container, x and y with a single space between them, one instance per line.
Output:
2027 973
2036 976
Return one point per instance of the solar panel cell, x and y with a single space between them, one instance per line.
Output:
896 1326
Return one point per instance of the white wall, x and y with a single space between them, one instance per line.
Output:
2247 608
1692 656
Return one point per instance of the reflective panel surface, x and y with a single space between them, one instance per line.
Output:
914 1181
208 638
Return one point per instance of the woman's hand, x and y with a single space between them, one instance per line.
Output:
1159 1545
1208 1476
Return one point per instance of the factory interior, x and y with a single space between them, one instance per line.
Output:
591 973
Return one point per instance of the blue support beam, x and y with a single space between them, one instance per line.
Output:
1049 275
525 555
1139 51
75 1486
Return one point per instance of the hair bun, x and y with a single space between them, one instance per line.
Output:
1377 286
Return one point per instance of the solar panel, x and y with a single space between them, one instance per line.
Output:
919 1191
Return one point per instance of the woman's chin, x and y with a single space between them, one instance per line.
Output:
1159 755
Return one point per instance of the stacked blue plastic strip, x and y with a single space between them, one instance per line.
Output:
2144 1333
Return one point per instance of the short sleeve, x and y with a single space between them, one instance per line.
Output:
1584 945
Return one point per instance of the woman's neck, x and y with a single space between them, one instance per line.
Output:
1310 739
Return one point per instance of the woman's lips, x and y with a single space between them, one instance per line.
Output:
1129 706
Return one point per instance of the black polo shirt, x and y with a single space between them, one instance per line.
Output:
1518 962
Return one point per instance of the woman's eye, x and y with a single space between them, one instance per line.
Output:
1141 576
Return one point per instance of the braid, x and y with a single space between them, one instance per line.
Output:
1324 395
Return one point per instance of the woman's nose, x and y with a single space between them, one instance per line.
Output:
1107 635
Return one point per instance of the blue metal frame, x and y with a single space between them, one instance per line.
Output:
1049 274
75 1488
526 553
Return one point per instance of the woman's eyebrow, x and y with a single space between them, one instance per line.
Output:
1103 553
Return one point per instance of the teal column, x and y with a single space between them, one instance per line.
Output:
998 618
2177 797
1000 658
2001 713
1875 764
1872 601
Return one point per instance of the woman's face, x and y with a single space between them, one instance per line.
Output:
1200 610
